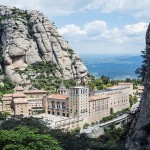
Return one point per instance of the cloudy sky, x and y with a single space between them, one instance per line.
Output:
96 26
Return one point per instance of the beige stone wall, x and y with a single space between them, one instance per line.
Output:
119 100
6 104
78 102
34 102
58 107
98 109
36 105
21 109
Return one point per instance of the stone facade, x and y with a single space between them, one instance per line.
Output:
6 103
78 102
24 103
75 105
58 104
119 96
98 107
90 108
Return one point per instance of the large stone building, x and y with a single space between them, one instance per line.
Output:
118 96
58 105
77 102
24 103
98 107
74 105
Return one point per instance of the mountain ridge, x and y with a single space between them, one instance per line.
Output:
29 38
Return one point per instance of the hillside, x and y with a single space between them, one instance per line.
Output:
33 52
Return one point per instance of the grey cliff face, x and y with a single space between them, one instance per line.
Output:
139 134
27 37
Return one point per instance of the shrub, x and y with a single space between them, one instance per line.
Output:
85 126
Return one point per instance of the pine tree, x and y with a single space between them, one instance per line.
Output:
143 69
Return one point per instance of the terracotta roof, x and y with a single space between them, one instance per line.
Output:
98 97
18 95
7 95
58 96
6 98
20 100
34 91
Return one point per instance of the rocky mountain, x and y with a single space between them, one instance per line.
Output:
139 134
31 48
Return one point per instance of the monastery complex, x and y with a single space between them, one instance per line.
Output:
69 108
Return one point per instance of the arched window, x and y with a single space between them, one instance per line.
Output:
58 105
53 104
58 113
63 105
67 115
53 113
63 114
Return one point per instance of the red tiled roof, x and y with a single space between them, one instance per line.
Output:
98 97
58 96
20 101
34 91
18 95
6 98
7 95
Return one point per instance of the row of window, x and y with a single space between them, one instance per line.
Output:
79 91
58 105
122 101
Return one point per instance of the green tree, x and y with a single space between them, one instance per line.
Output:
32 123
85 125
132 100
71 141
23 138
143 69
111 111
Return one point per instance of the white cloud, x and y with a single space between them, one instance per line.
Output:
94 28
138 8
138 28
114 35
90 29
48 7
71 30
128 39
98 31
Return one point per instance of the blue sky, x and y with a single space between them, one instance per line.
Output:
96 26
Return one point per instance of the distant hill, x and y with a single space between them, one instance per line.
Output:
114 66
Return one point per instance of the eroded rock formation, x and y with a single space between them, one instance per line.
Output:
27 37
